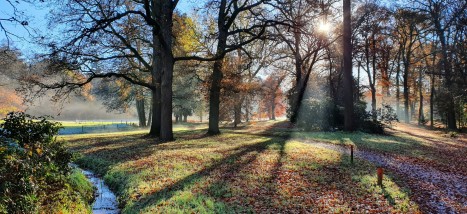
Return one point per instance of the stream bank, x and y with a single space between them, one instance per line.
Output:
105 201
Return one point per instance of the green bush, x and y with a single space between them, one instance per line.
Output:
387 115
317 115
34 166
325 115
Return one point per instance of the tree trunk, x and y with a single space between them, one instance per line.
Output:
217 75
432 96
247 109
156 93
150 114
185 118
156 113
237 112
406 96
412 109
299 91
421 116
273 106
373 102
140 111
214 98
451 115
398 89
373 78
298 98
167 72
358 79
347 68
407 61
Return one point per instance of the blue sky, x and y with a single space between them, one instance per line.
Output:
36 14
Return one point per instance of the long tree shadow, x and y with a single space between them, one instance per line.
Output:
102 155
100 142
222 174
227 166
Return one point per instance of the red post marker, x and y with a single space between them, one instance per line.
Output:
380 176
351 154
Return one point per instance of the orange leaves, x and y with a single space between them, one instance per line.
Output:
9 101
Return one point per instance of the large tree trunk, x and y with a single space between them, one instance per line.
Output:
451 115
217 75
347 68
185 118
167 72
156 81
141 111
299 90
214 98
298 98
166 98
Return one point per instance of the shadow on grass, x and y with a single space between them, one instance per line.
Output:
227 166
220 173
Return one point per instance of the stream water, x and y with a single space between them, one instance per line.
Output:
105 201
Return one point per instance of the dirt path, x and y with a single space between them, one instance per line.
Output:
433 137
433 190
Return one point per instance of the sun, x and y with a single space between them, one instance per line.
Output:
324 27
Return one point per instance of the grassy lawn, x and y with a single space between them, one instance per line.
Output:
85 123
438 151
234 172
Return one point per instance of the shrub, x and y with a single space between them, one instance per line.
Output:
34 170
387 115
324 115
317 115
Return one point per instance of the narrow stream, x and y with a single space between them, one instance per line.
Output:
105 201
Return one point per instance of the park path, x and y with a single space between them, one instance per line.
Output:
435 191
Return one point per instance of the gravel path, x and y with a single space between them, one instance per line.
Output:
433 190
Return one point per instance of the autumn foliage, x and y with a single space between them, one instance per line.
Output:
9 101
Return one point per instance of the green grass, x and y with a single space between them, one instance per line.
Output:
76 197
234 172
86 123
401 145
81 184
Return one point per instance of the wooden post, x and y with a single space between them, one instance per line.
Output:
380 176
351 154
